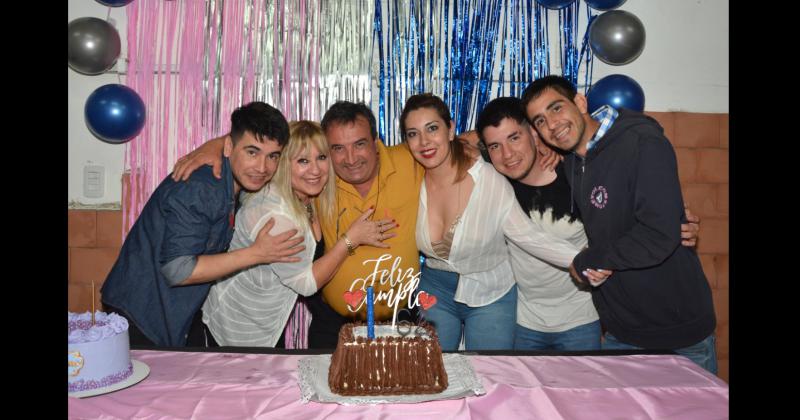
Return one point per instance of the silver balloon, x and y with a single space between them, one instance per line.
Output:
617 37
93 45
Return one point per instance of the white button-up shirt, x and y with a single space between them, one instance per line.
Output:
251 307
479 252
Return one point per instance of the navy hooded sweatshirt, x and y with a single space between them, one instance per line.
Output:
629 198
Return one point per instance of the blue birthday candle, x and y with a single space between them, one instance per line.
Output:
370 314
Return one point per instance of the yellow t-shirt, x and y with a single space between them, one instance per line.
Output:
396 192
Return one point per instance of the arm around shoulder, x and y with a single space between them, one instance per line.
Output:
265 248
210 153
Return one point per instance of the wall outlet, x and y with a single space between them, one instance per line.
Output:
93 181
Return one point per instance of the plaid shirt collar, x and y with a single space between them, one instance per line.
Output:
605 115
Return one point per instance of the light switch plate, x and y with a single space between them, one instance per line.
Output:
93 181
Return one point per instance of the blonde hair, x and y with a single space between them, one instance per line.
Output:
302 136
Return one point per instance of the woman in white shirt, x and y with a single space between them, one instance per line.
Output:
251 307
467 211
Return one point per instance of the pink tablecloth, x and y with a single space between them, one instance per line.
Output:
238 386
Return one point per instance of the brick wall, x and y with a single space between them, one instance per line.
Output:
701 144
94 240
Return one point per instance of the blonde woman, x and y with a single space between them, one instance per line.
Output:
251 307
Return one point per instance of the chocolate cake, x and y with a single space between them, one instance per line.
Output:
389 364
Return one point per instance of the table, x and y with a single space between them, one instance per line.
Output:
227 385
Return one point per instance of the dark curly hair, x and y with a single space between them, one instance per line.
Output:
262 121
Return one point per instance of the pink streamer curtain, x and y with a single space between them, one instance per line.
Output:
163 68
194 62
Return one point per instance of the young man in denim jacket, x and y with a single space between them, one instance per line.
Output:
177 245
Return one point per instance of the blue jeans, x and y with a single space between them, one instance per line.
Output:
703 353
582 337
489 327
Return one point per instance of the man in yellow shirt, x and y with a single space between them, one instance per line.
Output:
369 174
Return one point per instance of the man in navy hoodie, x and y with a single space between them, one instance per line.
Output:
624 179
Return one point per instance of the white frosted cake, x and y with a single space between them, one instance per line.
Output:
98 355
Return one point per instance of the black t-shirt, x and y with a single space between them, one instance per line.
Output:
556 195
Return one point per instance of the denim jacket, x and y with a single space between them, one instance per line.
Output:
180 219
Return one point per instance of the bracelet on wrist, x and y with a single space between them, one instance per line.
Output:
351 250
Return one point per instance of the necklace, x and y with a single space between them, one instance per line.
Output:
310 211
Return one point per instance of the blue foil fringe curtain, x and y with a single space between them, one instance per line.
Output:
568 29
382 51
587 83
467 52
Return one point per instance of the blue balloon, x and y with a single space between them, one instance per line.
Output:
617 90
115 3
555 4
114 113
604 4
